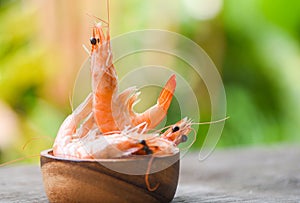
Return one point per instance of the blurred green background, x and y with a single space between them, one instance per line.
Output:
255 45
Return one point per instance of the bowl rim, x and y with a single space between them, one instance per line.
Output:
46 153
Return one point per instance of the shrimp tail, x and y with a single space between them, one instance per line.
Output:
154 115
132 101
165 97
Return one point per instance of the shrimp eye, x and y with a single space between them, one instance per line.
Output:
184 138
93 41
175 129
147 150
143 142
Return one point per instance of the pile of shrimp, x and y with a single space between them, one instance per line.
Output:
105 125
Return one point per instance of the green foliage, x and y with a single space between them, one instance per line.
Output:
22 77
255 44
261 62
21 61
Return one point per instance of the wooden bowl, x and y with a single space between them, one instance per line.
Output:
92 180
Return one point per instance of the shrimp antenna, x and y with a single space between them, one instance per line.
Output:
86 50
35 138
108 14
151 189
28 142
190 121
100 19
211 122
71 101
19 159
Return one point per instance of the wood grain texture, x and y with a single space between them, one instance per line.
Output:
89 180
237 175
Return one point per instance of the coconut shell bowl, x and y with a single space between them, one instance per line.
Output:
109 180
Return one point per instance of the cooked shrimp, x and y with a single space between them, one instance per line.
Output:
105 112
178 132
130 141
113 111
169 140
104 80
93 144
69 126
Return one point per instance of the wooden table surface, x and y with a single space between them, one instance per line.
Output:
232 175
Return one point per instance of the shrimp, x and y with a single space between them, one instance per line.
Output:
113 111
108 117
98 117
104 80
178 132
130 141
70 143
95 146
69 126
168 141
